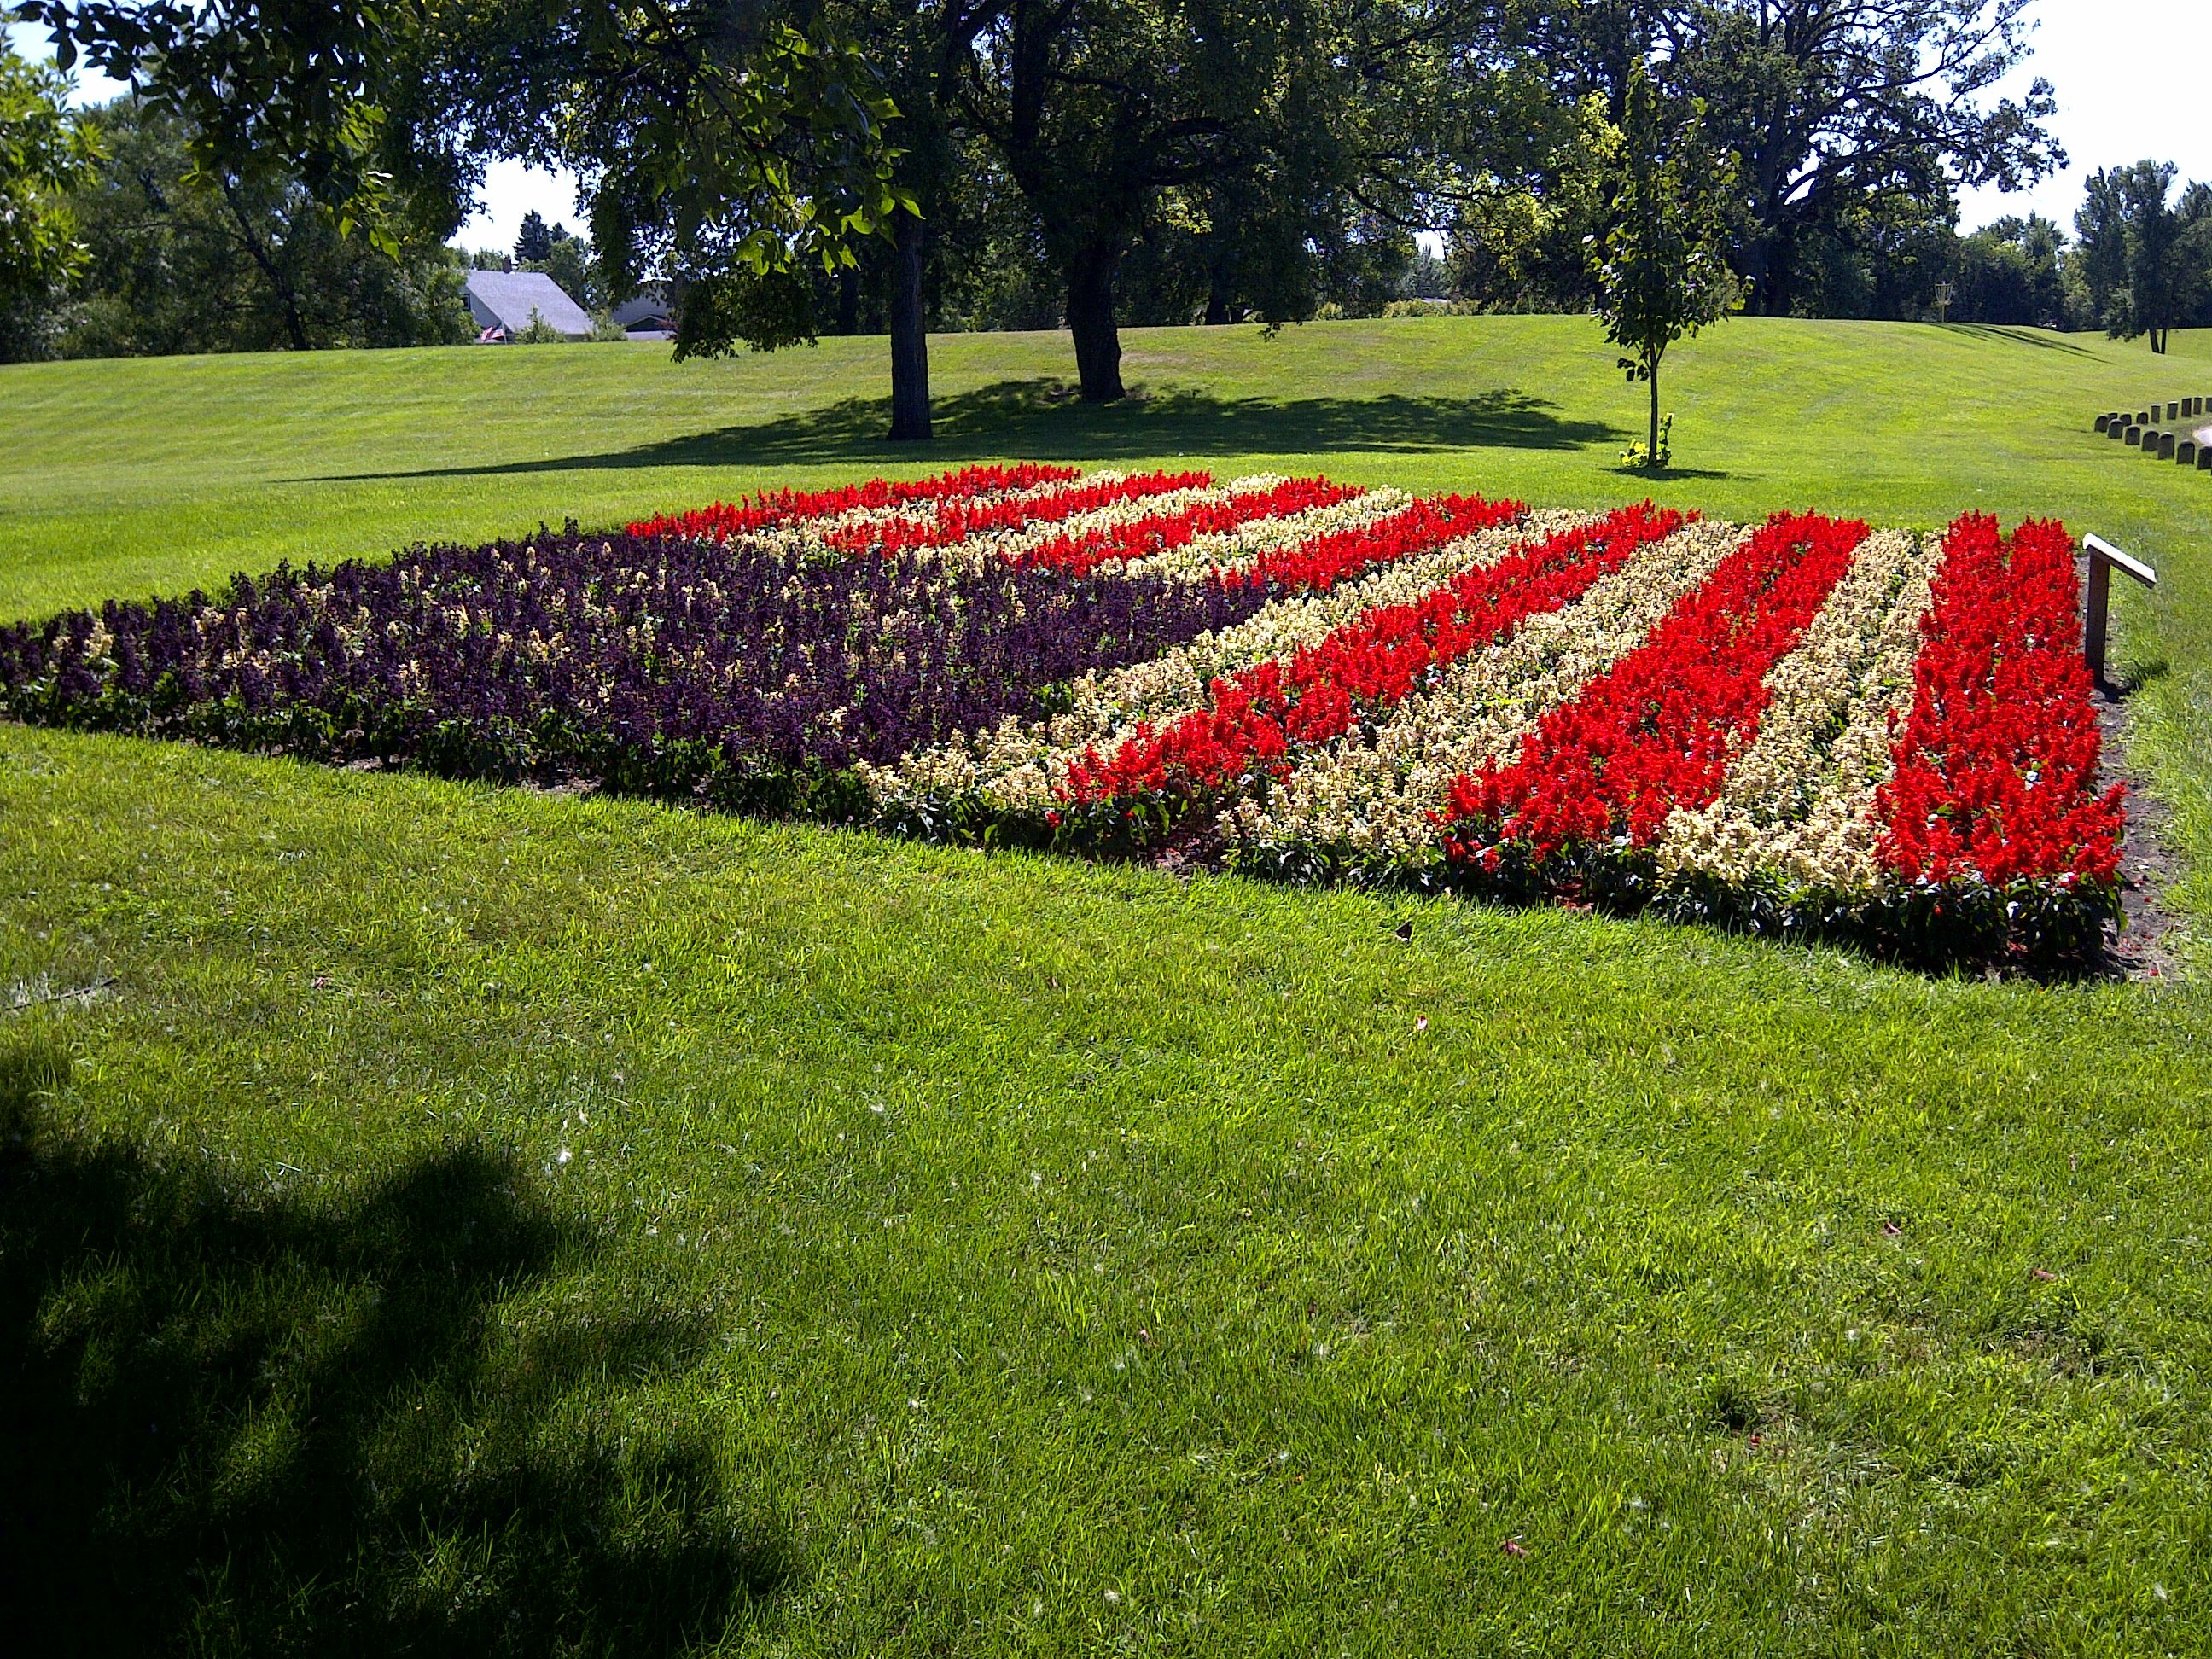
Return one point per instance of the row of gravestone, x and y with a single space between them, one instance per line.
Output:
2141 430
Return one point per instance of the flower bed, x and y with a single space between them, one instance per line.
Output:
1805 726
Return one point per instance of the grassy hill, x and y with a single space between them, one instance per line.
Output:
138 474
468 1217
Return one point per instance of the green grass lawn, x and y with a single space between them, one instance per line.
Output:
475 1221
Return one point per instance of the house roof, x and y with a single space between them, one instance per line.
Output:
505 299
649 304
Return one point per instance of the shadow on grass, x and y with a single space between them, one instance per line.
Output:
2133 676
246 1423
2028 336
1668 474
1045 417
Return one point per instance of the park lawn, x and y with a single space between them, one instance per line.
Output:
128 479
504 1222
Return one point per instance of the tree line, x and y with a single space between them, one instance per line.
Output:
801 167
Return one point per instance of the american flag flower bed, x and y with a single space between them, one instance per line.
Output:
1800 727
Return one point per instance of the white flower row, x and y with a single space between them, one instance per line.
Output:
1241 548
811 537
1797 803
987 548
1021 765
1376 790
811 534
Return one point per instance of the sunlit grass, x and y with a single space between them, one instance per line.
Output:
489 1221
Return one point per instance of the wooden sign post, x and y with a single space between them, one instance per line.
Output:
2103 557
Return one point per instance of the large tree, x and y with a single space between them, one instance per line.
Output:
46 153
185 258
1832 103
1265 126
919 49
2145 261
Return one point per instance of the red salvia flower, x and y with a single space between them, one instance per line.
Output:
1252 723
1657 730
1997 768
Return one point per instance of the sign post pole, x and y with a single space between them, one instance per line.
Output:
2096 610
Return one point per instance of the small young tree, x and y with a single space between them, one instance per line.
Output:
537 331
1662 264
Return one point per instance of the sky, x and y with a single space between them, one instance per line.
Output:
2133 80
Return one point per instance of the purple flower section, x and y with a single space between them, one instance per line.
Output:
652 664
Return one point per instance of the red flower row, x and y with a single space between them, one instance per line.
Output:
1253 721
1657 730
1996 767
1084 551
725 520
958 518
1327 560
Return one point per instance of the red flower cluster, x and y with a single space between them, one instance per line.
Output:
1084 551
961 517
1327 560
725 520
1657 730
1996 767
1255 720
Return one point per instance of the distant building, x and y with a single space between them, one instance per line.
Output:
648 315
502 300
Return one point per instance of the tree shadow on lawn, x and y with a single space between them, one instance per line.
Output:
1045 417
240 1422
2016 336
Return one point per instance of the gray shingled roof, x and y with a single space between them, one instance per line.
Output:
651 300
505 299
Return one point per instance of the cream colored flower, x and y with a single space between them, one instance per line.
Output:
1021 765
1376 790
1797 804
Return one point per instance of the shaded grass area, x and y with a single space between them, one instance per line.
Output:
1016 416
246 1413
803 1243
895 1249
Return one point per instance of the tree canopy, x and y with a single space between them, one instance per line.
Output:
795 166
46 153
2146 260
185 258
1833 106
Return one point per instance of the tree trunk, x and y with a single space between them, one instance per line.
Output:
1757 261
1651 447
1090 320
1220 292
287 298
909 334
